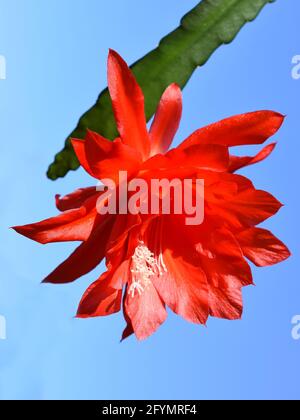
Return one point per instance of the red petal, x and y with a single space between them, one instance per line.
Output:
246 208
241 182
128 330
251 128
218 258
261 247
183 287
123 225
226 304
85 258
146 311
102 158
75 199
99 300
201 156
166 120
238 162
222 260
104 296
79 149
72 225
128 104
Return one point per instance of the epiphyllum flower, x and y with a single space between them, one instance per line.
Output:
158 261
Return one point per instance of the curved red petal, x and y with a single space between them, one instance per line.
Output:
99 300
79 149
146 311
128 330
182 285
200 156
224 272
238 162
225 304
222 260
184 288
104 159
166 120
104 296
247 208
250 128
72 225
261 247
75 199
85 258
128 104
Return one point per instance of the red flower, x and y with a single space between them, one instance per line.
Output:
158 261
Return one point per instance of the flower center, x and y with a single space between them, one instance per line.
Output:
143 267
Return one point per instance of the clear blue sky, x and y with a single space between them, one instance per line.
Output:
56 65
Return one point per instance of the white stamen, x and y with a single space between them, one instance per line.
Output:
136 286
144 266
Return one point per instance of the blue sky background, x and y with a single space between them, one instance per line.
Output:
56 65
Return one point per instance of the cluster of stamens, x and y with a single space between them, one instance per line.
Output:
144 266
